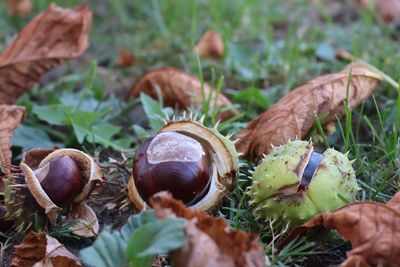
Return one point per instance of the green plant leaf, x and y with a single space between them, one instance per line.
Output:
105 131
53 114
109 248
252 96
136 221
107 251
153 110
154 238
29 137
82 122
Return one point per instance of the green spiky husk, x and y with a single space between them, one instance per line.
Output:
274 190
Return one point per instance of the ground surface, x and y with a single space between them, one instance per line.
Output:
271 47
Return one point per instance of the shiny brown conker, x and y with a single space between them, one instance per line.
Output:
174 162
61 179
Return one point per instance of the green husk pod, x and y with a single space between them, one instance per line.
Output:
294 183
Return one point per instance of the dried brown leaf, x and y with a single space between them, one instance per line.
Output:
389 10
178 89
372 228
209 241
354 261
41 250
50 38
125 59
394 202
19 7
211 45
10 118
293 116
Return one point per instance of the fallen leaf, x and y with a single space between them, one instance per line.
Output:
50 38
293 116
354 261
10 118
373 229
209 241
125 59
41 250
179 89
19 7
211 45
394 202
389 10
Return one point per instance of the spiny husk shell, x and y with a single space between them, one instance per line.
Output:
223 157
274 191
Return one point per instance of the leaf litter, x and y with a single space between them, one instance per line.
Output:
208 239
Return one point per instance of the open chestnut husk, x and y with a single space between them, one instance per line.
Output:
194 163
294 183
53 184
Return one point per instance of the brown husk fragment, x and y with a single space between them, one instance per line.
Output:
50 38
10 118
373 229
211 45
125 59
84 220
293 115
41 250
209 241
33 157
19 7
179 89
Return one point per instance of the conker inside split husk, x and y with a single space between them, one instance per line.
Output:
170 161
61 179
196 164
49 183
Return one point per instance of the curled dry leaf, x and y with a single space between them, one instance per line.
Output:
179 89
294 115
125 59
211 45
51 37
389 10
372 228
19 7
209 241
41 250
10 118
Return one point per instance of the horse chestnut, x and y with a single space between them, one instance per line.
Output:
171 161
195 163
49 183
61 179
